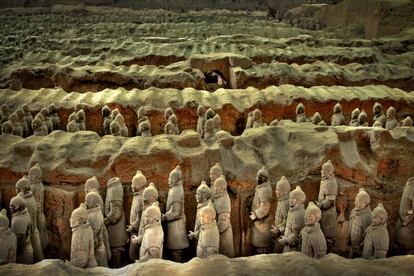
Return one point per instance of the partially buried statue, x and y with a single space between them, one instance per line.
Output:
37 127
115 219
106 115
81 119
209 237
222 205
328 191
38 190
21 225
376 242
201 113
96 221
282 209
203 195
82 251
24 192
8 241
360 220
176 223
354 117
295 221
139 181
261 237
300 113
337 118
257 119
391 121
378 114
363 119
312 240
405 223
54 116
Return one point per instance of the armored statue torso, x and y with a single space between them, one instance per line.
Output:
222 205
313 241
177 237
208 241
294 224
262 200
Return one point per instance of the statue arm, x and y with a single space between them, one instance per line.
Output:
115 213
328 202
263 210
223 222
175 211
293 238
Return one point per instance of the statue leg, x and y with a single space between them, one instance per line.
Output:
117 257
262 250
177 255
133 251
37 246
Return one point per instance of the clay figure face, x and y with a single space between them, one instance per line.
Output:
376 219
279 193
359 203
260 179
292 202
310 218
201 197
14 208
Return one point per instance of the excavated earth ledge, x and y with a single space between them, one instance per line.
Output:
293 263
374 158
233 105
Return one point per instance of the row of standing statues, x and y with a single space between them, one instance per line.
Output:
22 123
100 233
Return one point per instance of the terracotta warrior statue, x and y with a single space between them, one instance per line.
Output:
337 118
312 240
257 119
354 117
8 241
173 121
6 128
282 209
40 116
167 113
363 119
21 225
249 122
142 117
203 195
378 114
22 121
82 252
360 220
81 119
407 122
4 113
139 181
316 118
176 230
115 128
222 204
16 127
37 127
328 192
209 129
54 116
92 185
295 220
121 121
106 115
201 113
149 197
115 219
300 113
24 192
405 223
261 237
153 236
376 241
145 129
28 117
215 172
38 191
391 121
208 237
47 120
217 123
96 221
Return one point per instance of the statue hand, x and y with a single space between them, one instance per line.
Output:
252 216
282 240
191 235
130 229
163 218
107 221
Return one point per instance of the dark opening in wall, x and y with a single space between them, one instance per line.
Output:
214 79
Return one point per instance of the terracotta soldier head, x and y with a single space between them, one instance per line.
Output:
175 176
139 181
210 113
379 215
328 170
282 187
207 214
297 197
201 111
203 193
312 214
316 118
362 199
91 184
363 118
215 172
152 214
167 113
219 185
377 109
17 204
337 108
35 174
4 220
355 113
391 112
23 185
93 199
262 176
300 109
150 194
106 112
79 216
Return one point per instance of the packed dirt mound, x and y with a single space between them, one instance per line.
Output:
292 263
